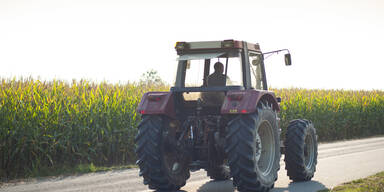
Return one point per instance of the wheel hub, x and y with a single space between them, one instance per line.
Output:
265 151
309 151
175 166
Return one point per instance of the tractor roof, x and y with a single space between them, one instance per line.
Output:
184 47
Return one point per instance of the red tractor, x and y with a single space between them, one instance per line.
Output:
220 116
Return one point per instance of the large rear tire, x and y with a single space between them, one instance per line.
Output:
162 167
300 150
253 149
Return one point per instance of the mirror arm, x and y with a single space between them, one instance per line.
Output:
277 51
226 70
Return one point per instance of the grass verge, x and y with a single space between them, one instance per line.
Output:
68 170
76 170
374 183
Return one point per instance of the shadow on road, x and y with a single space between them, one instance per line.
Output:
307 186
217 186
227 186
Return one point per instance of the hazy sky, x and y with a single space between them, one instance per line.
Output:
334 43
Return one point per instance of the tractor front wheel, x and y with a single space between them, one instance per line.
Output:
219 172
300 150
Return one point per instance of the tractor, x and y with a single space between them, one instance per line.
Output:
219 116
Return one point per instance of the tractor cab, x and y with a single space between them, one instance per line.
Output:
197 60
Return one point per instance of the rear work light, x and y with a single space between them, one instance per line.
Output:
181 45
228 43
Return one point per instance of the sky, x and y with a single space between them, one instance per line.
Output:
335 44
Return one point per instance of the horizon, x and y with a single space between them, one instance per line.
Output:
98 82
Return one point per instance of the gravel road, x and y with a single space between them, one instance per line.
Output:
337 163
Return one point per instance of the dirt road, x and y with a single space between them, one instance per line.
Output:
337 163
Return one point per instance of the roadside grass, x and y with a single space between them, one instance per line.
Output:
68 170
374 183
75 170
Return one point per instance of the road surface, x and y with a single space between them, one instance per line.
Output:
337 163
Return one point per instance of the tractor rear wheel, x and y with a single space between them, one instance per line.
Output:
300 150
253 149
162 167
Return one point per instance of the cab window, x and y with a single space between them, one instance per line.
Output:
255 60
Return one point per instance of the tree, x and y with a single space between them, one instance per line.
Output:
151 78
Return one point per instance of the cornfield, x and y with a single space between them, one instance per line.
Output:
57 123
336 114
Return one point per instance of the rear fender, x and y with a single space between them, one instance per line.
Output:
245 102
157 103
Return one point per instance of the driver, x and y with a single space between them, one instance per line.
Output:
217 78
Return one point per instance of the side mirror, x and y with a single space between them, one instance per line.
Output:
287 58
256 61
